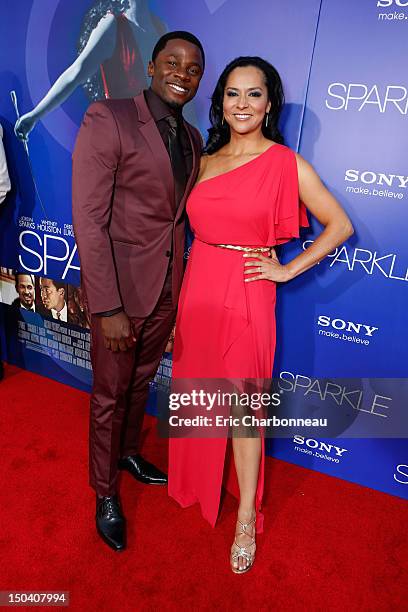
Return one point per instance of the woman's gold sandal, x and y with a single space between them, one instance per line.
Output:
243 551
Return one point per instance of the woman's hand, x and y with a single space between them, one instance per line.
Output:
265 268
24 125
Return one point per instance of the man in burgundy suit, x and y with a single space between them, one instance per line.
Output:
134 164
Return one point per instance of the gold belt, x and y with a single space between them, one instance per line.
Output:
235 247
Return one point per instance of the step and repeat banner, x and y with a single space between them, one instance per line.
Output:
348 317
342 64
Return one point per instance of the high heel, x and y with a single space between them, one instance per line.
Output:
246 552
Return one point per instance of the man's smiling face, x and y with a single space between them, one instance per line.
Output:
176 72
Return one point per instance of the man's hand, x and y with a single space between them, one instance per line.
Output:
117 332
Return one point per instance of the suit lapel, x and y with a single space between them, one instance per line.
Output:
154 141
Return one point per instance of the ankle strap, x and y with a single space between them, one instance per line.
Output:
246 525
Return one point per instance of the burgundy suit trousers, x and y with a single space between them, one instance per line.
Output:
120 390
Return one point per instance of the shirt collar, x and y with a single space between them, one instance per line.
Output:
158 108
63 312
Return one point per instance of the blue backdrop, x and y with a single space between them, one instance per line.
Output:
343 67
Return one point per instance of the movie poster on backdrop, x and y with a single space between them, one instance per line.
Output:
62 56
354 311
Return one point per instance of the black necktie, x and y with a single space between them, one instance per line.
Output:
178 163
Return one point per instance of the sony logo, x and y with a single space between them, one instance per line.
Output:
379 178
325 321
322 446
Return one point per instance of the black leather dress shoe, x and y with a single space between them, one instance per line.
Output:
142 470
110 522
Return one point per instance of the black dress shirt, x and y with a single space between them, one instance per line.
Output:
160 110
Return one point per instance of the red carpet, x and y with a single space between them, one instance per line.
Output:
328 544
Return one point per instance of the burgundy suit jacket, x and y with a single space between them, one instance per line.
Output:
125 219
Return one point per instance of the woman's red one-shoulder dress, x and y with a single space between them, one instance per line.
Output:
226 327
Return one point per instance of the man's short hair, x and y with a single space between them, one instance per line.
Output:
17 274
162 42
57 284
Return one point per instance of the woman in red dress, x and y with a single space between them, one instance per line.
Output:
249 196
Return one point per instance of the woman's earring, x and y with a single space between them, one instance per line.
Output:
267 119
223 120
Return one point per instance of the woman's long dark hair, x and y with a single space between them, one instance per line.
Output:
219 133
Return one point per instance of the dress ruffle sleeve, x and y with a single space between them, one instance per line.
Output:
290 213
